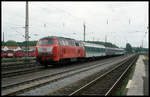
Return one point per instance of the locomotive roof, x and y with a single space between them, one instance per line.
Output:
56 37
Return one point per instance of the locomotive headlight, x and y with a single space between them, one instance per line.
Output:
40 49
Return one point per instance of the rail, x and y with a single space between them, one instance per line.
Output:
102 80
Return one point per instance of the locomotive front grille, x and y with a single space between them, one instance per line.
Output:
45 53
45 50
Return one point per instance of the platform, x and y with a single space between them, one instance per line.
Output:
139 84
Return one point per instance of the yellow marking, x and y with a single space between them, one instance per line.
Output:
129 84
146 57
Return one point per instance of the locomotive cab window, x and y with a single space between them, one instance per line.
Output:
46 42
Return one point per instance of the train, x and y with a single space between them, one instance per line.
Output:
9 54
19 53
16 54
54 50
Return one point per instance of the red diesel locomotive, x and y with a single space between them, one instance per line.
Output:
53 49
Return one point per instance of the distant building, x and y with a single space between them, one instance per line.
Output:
14 48
4 48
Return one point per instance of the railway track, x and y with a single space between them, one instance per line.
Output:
26 69
16 65
17 68
22 61
7 60
30 84
107 82
7 66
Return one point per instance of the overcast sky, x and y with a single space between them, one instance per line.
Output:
121 22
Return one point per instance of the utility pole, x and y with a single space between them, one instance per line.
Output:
84 30
27 31
106 35
142 44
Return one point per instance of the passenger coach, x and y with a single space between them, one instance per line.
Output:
94 50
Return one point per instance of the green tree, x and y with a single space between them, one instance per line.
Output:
128 48
11 43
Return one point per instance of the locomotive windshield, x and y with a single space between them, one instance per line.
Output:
45 42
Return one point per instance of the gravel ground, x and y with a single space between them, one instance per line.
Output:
103 85
48 71
49 88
